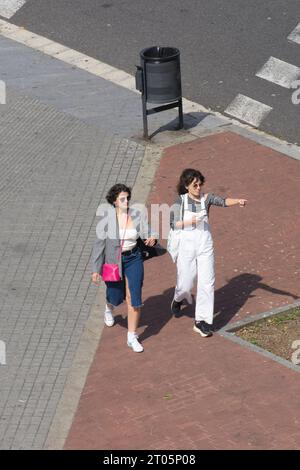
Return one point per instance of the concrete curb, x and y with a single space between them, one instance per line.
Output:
229 333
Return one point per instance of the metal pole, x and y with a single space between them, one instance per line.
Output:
145 122
180 114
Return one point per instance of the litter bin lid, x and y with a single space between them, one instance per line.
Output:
159 54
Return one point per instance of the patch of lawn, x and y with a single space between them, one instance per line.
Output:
276 333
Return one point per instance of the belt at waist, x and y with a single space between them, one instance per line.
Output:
129 252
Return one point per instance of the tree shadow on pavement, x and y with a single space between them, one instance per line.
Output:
229 299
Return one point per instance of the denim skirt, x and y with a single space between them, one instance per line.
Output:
133 271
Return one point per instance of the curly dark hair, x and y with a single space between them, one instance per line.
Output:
115 190
187 176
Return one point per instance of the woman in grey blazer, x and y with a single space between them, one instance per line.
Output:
118 234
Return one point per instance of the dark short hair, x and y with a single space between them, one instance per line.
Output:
187 177
114 192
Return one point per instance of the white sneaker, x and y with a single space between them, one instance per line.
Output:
108 317
135 345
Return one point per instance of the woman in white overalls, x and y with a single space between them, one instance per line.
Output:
196 252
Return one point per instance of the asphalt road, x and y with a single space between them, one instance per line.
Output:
223 44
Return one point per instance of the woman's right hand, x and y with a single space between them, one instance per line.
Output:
96 278
193 221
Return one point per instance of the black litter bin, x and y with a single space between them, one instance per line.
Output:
159 79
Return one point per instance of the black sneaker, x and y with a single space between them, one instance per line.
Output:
203 328
176 307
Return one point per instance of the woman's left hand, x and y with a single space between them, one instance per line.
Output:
150 241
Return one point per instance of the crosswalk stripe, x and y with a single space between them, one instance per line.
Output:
9 7
295 35
248 110
279 72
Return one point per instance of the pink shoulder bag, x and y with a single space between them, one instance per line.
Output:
110 271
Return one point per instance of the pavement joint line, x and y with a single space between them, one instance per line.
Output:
125 80
228 332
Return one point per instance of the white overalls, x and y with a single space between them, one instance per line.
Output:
196 258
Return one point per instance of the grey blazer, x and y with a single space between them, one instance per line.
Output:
107 245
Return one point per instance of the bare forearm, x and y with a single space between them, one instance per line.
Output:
180 224
232 202
187 223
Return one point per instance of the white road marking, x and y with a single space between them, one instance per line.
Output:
295 35
248 110
9 7
279 72
2 92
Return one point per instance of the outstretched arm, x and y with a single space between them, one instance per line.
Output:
261 285
232 202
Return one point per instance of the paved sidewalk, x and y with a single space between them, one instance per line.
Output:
186 392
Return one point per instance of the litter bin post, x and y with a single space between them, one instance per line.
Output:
158 78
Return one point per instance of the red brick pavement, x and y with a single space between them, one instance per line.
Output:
186 392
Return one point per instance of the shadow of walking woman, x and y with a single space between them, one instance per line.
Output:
230 298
